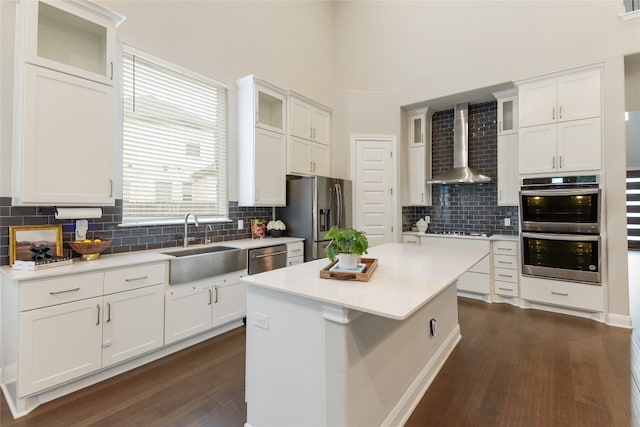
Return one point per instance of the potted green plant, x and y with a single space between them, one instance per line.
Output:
347 244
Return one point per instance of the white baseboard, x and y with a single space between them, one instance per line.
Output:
471 295
619 320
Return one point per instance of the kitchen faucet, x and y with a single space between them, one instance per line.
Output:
186 225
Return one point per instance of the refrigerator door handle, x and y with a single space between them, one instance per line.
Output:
338 205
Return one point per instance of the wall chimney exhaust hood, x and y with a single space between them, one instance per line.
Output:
461 173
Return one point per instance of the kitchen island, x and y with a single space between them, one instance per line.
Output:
324 352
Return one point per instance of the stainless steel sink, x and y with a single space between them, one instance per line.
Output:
193 264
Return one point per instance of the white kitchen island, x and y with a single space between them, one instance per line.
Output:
326 352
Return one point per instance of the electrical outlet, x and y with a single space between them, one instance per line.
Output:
240 224
261 321
507 222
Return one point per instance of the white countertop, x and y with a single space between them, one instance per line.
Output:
454 236
133 258
407 277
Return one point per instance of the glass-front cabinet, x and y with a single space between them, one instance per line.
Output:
270 109
507 112
77 38
417 128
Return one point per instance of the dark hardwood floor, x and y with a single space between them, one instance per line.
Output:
512 367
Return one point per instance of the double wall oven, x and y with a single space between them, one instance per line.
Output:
560 219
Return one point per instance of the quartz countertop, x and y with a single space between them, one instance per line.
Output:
406 278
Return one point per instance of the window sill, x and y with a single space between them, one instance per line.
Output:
157 223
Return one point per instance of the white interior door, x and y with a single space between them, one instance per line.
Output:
374 176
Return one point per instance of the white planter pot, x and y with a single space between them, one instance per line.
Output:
348 260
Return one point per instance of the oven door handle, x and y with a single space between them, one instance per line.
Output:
574 192
569 237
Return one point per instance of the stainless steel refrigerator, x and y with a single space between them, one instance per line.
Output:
314 205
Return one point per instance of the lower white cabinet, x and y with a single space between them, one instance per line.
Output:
58 344
581 296
505 267
63 335
196 307
410 239
295 253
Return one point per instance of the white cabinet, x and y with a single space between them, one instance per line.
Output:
199 306
507 112
261 143
419 157
560 124
411 239
58 344
74 37
64 104
68 328
309 136
504 254
564 147
508 173
133 323
564 294
295 253
507 129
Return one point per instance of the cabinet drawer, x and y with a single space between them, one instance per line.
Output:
505 275
295 260
477 283
58 290
124 279
567 294
295 249
505 261
411 240
505 247
507 289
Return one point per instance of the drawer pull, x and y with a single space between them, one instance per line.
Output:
296 250
412 242
562 294
505 249
505 289
505 262
64 292
136 278
505 275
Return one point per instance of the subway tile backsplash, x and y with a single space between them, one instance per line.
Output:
465 207
126 239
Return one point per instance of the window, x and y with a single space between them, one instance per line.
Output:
174 142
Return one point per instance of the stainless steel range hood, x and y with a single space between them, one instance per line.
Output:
461 173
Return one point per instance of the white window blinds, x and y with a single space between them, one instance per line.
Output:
174 143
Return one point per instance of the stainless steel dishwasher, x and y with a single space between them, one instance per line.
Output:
265 259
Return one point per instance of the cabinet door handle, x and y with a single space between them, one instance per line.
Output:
500 125
110 188
64 292
310 166
98 321
554 162
553 113
562 294
136 278
560 162
257 194
257 117
216 288
210 296
560 112
314 166
500 197
108 312
111 78
422 137
422 197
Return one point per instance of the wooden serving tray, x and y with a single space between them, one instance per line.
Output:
364 276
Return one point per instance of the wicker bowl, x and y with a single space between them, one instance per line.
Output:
89 251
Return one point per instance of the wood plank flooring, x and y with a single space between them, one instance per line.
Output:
513 367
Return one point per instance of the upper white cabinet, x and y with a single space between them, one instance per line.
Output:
419 156
76 37
567 97
309 137
507 129
64 139
559 122
261 143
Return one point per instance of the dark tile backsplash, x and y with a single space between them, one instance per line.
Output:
126 239
465 207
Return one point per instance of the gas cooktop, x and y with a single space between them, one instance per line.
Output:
462 233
